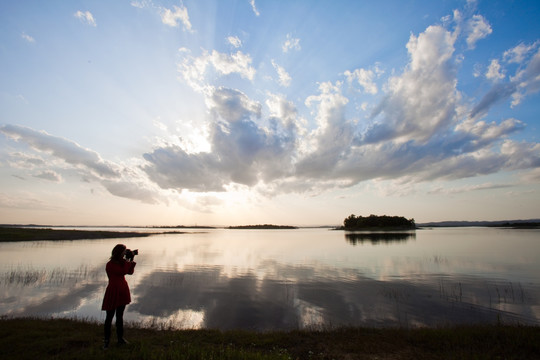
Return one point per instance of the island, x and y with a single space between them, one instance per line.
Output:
375 222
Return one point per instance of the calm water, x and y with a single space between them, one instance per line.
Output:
287 279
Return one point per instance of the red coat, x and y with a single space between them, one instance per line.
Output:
117 292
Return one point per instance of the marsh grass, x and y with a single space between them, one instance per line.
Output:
28 276
77 339
8 234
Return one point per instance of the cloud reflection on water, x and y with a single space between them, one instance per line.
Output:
57 302
227 302
287 280
248 302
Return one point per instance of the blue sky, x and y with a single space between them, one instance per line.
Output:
249 111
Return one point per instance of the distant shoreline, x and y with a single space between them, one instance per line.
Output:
264 227
32 232
516 224
10 234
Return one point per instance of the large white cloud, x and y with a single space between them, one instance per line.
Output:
330 142
69 151
118 180
423 100
422 129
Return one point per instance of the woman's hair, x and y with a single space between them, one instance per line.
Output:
117 251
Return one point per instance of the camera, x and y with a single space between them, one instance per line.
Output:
130 254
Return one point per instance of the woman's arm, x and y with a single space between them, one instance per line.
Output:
129 267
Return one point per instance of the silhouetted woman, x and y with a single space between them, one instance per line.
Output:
117 294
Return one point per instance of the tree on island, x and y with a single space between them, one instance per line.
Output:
383 222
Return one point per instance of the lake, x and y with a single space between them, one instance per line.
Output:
287 279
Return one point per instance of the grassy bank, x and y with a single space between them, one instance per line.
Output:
32 234
69 339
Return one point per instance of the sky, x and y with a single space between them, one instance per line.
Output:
301 112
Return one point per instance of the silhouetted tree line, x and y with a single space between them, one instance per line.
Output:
353 222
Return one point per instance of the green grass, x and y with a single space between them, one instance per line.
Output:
72 339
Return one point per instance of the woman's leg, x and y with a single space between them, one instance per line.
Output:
120 323
108 322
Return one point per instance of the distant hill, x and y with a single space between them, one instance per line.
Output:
501 223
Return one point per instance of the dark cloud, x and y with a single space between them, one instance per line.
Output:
242 151
526 81
172 167
131 190
497 94
49 175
